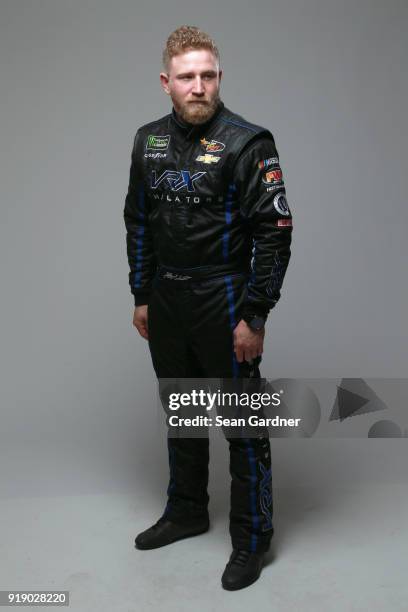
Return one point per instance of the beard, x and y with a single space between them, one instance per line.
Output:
198 111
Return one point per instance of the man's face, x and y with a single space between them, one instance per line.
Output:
193 83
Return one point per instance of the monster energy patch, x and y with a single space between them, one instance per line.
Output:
157 143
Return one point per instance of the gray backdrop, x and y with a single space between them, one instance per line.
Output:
78 402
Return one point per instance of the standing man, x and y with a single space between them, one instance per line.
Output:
208 244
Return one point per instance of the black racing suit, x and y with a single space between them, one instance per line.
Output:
208 239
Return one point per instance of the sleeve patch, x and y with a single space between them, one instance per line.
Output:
281 204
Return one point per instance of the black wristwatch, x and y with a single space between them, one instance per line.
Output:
255 322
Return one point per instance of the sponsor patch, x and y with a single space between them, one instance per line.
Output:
265 163
178 277
212 146
272 177
185 198
157 143
208 159
176 180
281 205
284 223
156 155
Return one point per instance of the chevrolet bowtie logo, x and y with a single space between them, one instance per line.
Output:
208 159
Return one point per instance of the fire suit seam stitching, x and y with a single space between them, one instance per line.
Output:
247 127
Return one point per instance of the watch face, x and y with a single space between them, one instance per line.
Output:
257 323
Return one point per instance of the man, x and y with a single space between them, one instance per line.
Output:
208 243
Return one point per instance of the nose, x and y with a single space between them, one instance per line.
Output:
198 88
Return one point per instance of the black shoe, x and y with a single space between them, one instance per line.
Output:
165 532
242 569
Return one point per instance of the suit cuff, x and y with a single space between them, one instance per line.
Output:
254 308
142 298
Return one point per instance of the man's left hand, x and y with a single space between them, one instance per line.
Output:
248 344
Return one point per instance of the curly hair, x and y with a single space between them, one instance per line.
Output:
186 38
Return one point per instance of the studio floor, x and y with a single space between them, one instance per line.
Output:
334 549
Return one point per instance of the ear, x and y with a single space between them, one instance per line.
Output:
220 75
164 80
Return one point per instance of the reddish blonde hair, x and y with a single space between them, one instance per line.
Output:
186 38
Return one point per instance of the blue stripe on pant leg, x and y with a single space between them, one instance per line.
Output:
231 307
252 493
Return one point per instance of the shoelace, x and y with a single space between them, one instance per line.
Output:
241 557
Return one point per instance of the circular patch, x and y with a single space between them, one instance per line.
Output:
281 204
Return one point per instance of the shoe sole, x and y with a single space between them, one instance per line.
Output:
182 537
241 586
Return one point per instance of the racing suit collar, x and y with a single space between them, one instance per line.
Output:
191 129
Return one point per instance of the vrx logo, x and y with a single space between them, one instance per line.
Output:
176 180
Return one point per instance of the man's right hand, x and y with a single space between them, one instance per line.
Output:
140 320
